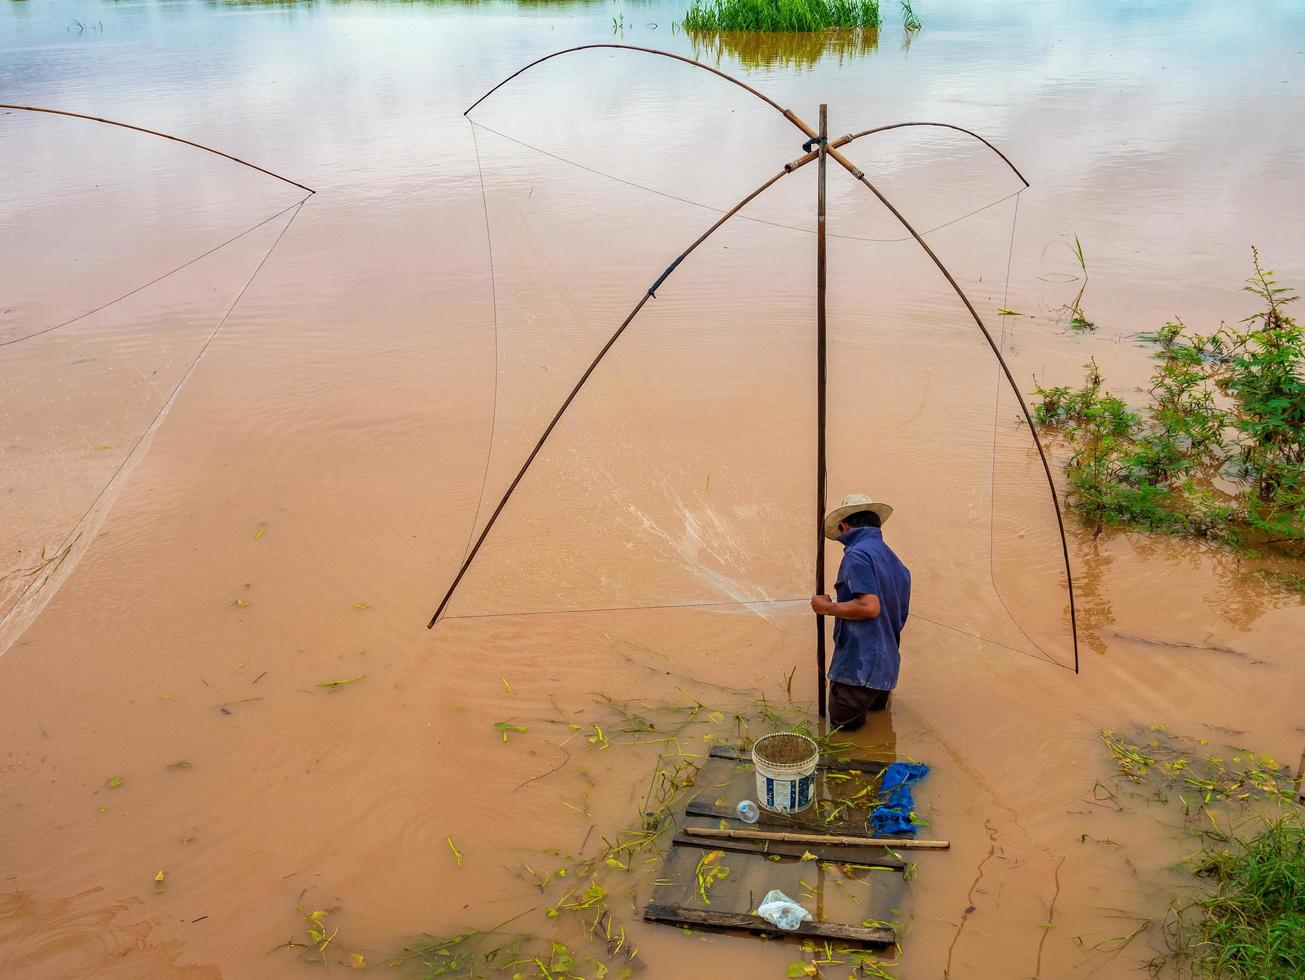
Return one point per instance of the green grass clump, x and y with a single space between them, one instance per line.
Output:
780 15
1253 926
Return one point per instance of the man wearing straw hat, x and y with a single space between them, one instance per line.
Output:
873 600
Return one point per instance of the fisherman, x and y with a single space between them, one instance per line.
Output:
874 598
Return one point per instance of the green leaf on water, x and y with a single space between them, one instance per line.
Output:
1005 311
262 529
507 726
336 685
113 782
457 855
179 764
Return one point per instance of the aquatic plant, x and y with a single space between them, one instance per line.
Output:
1250 923
910 21
1219 451
1078 321
1253 925
1193 771
780 15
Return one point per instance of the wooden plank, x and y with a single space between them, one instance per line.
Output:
827 839
699 808
868 766
679 915
873 857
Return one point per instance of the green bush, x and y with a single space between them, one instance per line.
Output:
1219 449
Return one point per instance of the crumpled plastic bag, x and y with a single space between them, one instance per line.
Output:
778 909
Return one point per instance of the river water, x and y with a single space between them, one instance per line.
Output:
257 475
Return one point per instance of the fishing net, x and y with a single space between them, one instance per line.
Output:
117 280
683 473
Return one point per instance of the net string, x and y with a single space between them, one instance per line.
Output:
158 417
152 282
718 604
745 217
992 477
493 291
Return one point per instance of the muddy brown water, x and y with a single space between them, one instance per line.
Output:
293 516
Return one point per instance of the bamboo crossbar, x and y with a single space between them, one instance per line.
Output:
907 843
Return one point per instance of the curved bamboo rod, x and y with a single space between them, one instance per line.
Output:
154 132
844 140
632 47
611 341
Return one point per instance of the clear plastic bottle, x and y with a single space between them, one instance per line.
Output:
748 812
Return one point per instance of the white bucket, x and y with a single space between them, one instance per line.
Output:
785 787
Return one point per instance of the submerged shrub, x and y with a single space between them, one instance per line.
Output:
780 15
1219 449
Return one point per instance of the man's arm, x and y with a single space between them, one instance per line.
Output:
862 606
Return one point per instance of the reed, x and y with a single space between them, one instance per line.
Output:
780 15
910 20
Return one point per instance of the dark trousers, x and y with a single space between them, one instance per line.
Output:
849 704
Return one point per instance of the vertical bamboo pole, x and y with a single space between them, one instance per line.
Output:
821 488
822 491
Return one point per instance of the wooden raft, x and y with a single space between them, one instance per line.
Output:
839 837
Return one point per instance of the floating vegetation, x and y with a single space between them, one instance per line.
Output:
780 15
457 855
321 934
506 726
114 782
1219 450
334 686
1185 767
710 870
864 962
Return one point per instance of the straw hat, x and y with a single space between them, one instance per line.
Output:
854 503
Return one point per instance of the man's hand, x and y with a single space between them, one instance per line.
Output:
822 605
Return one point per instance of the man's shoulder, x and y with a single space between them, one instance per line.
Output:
878 548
